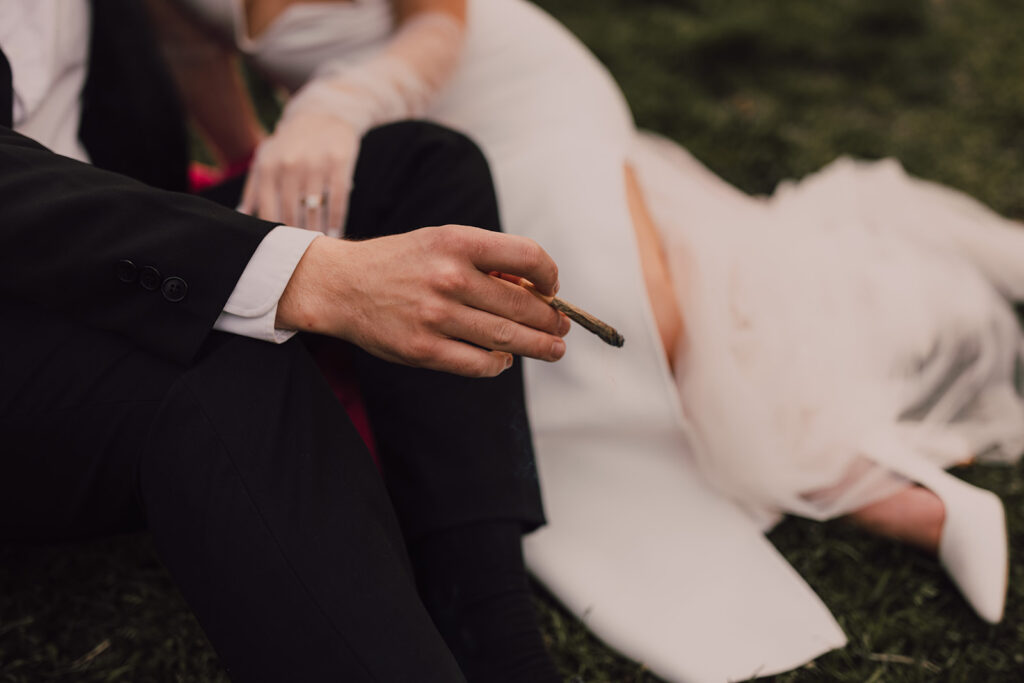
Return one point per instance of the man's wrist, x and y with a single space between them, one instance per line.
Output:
251 310
299 307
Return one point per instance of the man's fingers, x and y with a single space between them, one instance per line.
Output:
511 254
500 334
502 298
463 359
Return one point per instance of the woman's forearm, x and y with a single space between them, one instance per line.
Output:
404 9
218 100
208 77
399 81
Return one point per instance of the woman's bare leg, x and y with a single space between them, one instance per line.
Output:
655 266
914 515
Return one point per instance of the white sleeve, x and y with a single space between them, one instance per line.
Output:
396 83
251 310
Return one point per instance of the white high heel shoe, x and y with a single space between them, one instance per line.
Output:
973 544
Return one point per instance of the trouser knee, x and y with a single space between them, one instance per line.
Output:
415 174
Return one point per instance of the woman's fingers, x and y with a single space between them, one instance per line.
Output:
338 191
268 203
312 209
290 184
302 174
248 202
305 198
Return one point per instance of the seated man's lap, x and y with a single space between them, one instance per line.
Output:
78 407
263 502
75 408
82 411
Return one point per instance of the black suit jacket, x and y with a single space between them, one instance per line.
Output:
99 246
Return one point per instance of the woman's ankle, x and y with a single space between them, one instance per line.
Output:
914 515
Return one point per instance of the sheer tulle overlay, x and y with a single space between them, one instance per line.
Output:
855 302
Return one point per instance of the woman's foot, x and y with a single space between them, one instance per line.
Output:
963 524
915 515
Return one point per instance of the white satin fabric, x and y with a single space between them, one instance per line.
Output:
47 45
657 492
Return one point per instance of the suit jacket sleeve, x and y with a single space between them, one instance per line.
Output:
85 242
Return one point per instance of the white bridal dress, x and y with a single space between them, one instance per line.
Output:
858 303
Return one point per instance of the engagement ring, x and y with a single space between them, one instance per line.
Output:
313 201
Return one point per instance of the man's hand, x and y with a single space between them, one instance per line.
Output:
419 297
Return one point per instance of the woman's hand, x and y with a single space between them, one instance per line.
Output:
302 174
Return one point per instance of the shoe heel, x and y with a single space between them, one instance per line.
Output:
973 545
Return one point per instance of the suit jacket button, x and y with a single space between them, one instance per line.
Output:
126 271
149 278
174 289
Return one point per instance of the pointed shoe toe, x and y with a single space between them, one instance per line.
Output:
973 547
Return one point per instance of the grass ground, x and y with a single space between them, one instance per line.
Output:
759 91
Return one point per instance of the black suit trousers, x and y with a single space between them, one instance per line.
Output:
454 450
262 500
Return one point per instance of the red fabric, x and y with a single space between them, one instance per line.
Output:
333 359
202 176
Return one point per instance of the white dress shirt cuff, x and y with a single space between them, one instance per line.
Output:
251 310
